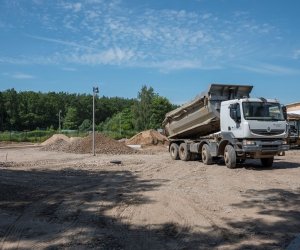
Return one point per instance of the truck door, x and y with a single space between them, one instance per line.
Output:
235 120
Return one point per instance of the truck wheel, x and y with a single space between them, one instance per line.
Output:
184 154
267 162
230 156
174 151
206 156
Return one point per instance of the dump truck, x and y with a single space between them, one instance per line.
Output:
226 123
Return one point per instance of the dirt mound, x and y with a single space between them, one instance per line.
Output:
56 145
54 138
72 139
103 145
148 137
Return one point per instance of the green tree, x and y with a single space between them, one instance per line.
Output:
27 110
120 124
106 107
126 117
2 113
85 125
142 108
70 121
11 106
159 107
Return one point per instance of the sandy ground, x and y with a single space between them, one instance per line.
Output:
52 200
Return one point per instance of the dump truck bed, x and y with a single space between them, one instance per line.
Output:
201 116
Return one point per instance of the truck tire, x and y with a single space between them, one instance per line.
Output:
184 153
267 162
174 151
230 156
206 156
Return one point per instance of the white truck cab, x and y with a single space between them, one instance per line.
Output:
253 118
257 123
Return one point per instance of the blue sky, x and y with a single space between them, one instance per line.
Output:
178 47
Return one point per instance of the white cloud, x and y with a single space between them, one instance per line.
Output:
296 54
12 60
276 69
206 15
75 7
240 13
22 76
254 27
270 69
62 42
53 59
91 14
2 24
173 65
179 64
69 69
109 57
107 32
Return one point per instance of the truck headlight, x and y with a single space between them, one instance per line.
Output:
249 143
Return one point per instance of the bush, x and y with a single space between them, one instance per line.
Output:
26 136
35 135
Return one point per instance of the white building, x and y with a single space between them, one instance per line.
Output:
293 108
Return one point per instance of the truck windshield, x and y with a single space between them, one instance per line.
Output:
262 111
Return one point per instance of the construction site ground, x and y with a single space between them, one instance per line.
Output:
57 200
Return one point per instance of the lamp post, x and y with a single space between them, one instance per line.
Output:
95 91
59 126
120 124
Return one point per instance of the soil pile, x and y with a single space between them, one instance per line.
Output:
72 139
103 145
55 138
56 145
148 137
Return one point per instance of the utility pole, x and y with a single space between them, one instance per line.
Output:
120 124
59 121
95 91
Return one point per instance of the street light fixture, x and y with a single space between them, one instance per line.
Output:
95 92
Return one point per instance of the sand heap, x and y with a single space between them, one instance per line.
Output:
57 145
148 137
55 138
56 142
103 145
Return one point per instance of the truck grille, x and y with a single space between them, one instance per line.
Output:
265 132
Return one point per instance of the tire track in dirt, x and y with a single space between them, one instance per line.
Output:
180 196
192 217
183 199
15 230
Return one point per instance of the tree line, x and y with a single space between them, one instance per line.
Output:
28 110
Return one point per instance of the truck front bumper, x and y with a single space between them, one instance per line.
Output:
263 147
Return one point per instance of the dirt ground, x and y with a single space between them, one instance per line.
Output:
56 200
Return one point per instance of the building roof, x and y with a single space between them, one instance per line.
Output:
293 105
